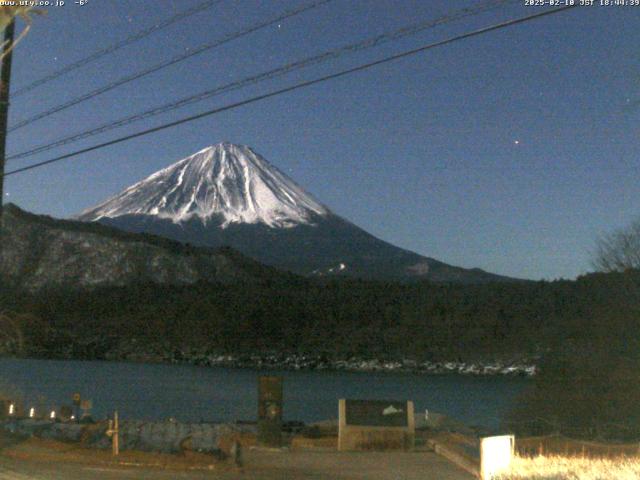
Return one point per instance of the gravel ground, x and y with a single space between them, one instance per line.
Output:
39 461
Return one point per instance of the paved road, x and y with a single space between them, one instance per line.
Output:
262 465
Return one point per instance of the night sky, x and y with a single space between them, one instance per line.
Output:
511 151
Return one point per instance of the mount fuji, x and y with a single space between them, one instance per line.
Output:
228 195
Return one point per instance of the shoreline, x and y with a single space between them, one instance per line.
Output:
523 367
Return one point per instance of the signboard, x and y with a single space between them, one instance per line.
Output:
375 425
76 399
496 454
376 413
270 411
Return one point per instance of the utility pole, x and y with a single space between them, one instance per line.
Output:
5 77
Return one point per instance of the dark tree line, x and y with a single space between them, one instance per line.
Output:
340 317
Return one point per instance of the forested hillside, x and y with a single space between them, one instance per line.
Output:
340 318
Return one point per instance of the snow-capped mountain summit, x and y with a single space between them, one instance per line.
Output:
228 195
228 182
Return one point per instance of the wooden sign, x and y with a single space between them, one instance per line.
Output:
375 425
270 411
377 413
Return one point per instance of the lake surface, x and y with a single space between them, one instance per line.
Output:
191 394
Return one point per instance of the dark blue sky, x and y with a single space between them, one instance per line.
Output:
511 151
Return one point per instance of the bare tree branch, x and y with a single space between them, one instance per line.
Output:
618 251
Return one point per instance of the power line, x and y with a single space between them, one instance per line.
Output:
297 86
117 46
178 58
268 75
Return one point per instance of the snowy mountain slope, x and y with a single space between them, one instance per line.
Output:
227 195
227 181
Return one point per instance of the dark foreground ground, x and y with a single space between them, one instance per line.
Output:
35 460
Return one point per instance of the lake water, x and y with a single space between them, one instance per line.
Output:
189 393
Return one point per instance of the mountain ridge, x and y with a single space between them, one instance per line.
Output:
228 195
42 253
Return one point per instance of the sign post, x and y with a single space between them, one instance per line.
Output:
86 405
270 411
113 431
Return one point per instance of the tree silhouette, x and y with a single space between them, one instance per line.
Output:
620 250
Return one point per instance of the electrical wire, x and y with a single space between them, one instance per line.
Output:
116 46
172 61
291 88
269 75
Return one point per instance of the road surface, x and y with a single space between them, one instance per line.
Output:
264 465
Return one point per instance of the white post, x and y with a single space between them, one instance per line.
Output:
496 454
